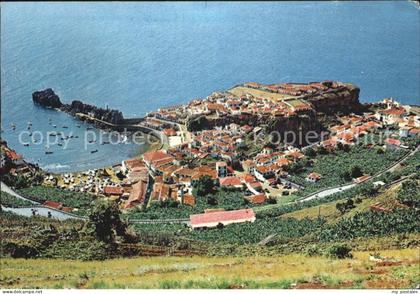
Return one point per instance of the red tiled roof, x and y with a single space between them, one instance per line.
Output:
392 141
67 209
361 179
13 155
153 156
189 199
53 204
414 131
282 161
230 181
137 194
394 111
257 199
132 163
169 132
110 190
222 216
315 176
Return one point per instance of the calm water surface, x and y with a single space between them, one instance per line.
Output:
137 57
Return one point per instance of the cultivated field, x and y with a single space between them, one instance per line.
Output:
291 271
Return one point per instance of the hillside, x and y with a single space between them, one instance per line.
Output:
386 197
291 271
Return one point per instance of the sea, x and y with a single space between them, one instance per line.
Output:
138 57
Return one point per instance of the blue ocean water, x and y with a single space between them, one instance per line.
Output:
137 57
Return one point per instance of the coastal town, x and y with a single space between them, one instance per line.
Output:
225 141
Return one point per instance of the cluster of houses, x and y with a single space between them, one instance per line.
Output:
13 163
171 174
353 127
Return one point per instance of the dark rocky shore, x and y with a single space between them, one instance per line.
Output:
47 98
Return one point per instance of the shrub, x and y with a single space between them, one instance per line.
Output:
19 250
339 251
314 250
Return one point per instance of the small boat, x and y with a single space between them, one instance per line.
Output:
65 127
78 126
59 144
49 152
76 136
103 143
26 144
53 134
30 134
54 126
91 141
13 126
89 128
94 151
124 139
29 127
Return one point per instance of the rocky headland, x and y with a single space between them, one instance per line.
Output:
100 116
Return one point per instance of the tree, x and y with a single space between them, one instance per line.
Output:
211 200
340 207
356 171
310 152
105 221
204 186
346 148
322 150
197 123
346 176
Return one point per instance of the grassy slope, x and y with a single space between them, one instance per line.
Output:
328 210
212 272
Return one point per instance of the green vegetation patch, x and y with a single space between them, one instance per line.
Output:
81 201
12 201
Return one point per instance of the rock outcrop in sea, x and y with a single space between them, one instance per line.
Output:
48 98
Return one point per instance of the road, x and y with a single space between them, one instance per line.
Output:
328 192
42 211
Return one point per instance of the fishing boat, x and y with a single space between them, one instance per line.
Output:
47 151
